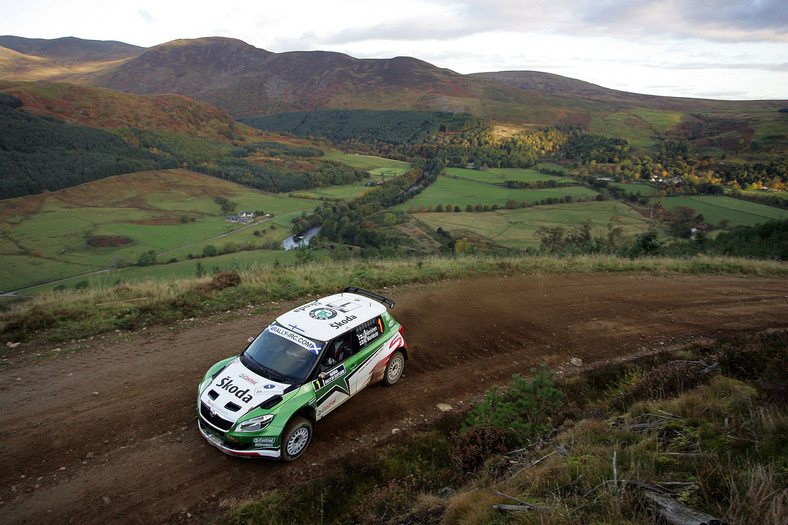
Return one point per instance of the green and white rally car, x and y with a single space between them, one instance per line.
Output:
265 401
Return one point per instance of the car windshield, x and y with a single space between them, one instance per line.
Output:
282 355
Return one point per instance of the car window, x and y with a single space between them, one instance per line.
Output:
368 332
282 351
337 351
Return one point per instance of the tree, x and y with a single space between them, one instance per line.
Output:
644 245
390 219
209 251
553 239
147 258
463 246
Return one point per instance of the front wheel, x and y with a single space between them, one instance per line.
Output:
394 368
296 437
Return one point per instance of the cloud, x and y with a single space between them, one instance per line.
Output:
145 16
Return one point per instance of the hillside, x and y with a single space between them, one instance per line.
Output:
108 109
59 59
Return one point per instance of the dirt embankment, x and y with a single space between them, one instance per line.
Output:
108 434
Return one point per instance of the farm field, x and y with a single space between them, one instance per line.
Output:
378 167
44 237
635 187
459 192
501 175
182 269
717 208
518 228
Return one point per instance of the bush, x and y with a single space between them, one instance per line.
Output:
473 446
762 359
225 280
661 382
524 409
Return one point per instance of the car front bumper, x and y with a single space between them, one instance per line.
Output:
235 449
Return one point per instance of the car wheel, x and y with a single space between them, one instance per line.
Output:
394 368
296 437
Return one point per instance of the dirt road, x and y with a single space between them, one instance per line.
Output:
108 434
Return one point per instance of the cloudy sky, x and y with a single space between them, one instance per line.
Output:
723 49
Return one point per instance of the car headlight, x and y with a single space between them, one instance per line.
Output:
255 424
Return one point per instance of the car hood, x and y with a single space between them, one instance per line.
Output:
236 390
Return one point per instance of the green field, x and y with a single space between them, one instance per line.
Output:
501 175
635 187
460 192
43 237
518 228
738 212
378 167
183 269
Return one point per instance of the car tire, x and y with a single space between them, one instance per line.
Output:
394 368
296 437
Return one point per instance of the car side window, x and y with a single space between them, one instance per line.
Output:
338 350
368 332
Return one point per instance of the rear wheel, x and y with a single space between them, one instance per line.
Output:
296 437
394 368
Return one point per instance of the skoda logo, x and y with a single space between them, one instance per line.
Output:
213 413
323 313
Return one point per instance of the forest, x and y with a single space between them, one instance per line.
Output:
43 154
363 125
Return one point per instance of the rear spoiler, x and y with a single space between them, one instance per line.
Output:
371 295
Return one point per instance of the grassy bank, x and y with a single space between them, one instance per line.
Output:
703 427
75 314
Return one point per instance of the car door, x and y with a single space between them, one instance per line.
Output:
332 380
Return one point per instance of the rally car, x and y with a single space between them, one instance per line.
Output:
265 401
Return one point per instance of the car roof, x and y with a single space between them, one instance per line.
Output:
328 317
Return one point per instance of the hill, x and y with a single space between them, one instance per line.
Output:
108 109
66 58
249 82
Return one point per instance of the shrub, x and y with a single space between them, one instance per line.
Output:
524 409
475 444
224 280
661 382
762 359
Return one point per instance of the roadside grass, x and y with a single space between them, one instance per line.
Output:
710 439
738 212
129 306
519 228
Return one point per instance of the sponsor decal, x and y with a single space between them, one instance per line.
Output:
227 384
269 390
247 378
344 307
322 313
339 324
330 377
366 335
327 407
301 341
306 307
260 441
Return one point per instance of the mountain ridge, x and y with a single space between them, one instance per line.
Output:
248 81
